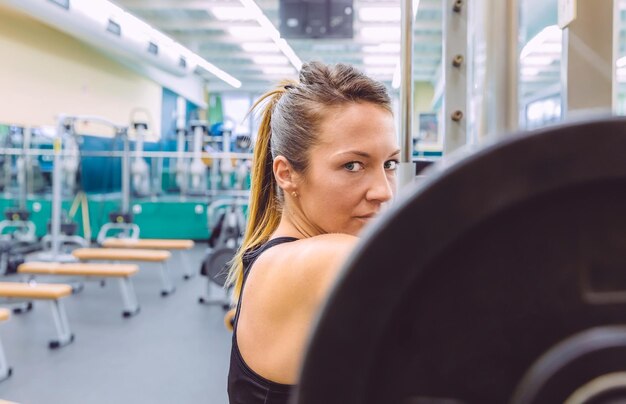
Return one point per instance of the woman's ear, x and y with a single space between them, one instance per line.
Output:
285 175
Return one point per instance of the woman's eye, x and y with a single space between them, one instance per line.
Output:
391 165
353 166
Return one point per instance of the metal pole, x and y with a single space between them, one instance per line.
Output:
25 169
498 112
125 173
55 225
454 69
406 171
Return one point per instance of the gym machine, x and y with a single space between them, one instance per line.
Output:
62 231
121 222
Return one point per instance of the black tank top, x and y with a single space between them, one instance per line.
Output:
245 386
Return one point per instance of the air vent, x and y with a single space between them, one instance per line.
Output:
61 3
114 28
182 62
153 48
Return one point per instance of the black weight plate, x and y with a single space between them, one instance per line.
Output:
476 272
217 264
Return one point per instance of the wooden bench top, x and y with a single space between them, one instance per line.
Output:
4 316
120 254
48 291
78 269
154 244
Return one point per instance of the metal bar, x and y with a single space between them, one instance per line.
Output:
5 370
61 324
152 154
56 188
128 295
184 261
166 280
455 56
406 170
126 174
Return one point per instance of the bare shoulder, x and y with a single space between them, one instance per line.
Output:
309 266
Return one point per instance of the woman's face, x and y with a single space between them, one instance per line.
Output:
352 169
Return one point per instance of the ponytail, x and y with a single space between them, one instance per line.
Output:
264 208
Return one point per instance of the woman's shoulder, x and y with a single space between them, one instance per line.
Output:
309 264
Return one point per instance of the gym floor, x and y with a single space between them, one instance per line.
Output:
174 351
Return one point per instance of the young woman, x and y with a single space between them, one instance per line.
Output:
324 166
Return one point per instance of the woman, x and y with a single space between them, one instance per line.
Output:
324 165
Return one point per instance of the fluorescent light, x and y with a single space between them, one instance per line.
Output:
272 32
538 60
380 60
395 82
389 47
259 47
391 33
550 36
621 62
270 60
379 70
529 71
248 32
232 13
285 70
211 68
98 10
382 14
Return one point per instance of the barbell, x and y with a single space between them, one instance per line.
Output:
500 278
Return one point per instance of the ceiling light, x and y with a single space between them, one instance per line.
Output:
248 32
381 14
550 36
538 60
379 70
389 47
259 47
285 70
391 33
272 32
232 13
529 71
380 60
395 82
621 62
270 60
211 68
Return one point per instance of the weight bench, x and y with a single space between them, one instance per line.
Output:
5 370
136 255
43 291
90 270
155 244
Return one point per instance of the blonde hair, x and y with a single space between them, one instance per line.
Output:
290 121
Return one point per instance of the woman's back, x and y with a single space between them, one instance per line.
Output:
284 284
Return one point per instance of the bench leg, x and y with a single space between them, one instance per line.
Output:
166 279
64 334
5 370
131 307
184 261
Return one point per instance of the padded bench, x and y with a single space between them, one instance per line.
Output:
90 270
5 370
43 291
155 244
136 255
